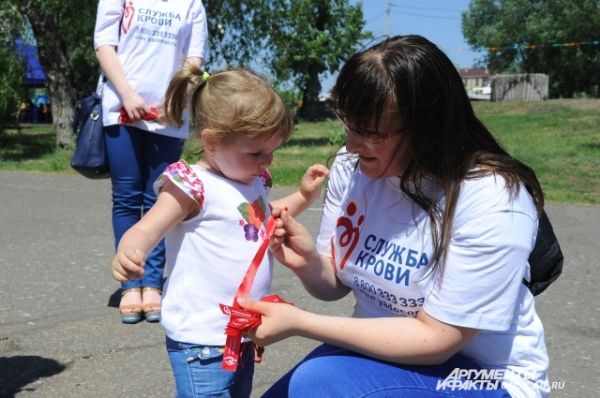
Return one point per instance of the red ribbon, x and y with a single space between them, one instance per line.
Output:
241 320
124 118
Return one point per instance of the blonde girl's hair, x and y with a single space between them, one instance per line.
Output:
231 103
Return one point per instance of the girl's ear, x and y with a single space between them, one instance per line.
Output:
209 140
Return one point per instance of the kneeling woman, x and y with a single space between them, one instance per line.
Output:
429 223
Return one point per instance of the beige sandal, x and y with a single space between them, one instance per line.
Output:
151 310
131 313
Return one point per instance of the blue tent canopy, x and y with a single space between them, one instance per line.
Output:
35 75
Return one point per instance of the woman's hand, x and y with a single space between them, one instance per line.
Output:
278 321
128 264
310 184
135 106
291 243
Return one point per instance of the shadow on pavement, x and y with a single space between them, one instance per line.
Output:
19 371
114 299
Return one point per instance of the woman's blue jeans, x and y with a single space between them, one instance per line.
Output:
136 158
334 372
198 371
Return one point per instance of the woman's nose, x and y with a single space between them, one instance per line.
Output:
354 142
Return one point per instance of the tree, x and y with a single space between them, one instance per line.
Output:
12 77
310 37
64 33
534 36
299 39
302 39
237 30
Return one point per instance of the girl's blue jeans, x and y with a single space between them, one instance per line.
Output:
198 373
136 158
330 371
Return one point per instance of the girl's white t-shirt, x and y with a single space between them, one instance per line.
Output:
380 242
207 256
155 39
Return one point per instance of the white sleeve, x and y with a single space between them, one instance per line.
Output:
339 178
198 46
108 22
481 283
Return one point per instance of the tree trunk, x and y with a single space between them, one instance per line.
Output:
311 108
53 58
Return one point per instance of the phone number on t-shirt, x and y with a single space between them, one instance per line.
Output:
392 298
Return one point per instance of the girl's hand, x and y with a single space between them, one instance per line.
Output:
310 184
291 243
128 264
278 321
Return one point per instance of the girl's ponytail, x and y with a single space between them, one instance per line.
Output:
183 83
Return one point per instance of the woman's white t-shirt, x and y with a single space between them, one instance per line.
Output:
153 39
380 242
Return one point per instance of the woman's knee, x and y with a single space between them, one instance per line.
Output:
315 377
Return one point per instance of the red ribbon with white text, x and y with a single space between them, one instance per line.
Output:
240 319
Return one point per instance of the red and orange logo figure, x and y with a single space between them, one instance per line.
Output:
349 236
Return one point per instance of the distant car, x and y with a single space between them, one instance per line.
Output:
325 96
485 90
480 93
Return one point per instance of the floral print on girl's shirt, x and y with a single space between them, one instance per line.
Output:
182 174
254 216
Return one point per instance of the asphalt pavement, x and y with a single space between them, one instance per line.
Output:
61 336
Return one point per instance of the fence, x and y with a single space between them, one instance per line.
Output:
520 87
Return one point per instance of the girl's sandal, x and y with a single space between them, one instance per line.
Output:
130 313
151 310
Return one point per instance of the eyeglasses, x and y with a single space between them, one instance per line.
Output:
370 139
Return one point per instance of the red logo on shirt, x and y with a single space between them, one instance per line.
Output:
350 234
128 12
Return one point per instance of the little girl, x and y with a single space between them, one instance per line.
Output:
213 216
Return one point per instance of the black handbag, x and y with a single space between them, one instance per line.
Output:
546 259
90 157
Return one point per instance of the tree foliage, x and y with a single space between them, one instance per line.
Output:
297 41
238 30
312 37
12 78
64 33
550 24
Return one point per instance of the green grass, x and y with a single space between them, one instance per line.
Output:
310 143
559 139
33 148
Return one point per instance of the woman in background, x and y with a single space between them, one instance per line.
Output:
140 45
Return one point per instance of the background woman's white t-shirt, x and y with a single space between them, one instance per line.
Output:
153 40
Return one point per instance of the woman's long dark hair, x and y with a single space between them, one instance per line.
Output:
448 143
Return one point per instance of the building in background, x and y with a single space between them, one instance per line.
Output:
474 77
477 83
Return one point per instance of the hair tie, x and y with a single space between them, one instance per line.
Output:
205 76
